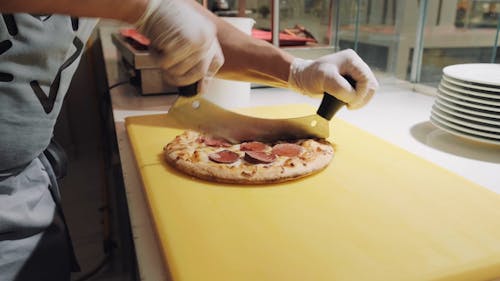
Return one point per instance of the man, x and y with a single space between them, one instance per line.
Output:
41 42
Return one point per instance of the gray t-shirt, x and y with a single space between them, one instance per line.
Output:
38 57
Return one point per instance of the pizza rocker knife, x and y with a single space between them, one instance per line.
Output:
194 112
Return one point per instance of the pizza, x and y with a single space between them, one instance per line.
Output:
214 159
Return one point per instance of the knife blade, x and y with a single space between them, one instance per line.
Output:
194 112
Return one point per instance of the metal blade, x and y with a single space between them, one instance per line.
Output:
199 114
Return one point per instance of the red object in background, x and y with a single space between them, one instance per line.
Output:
142 42
134 35
285 38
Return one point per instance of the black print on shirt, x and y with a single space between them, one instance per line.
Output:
10 23
75 23
4 46
48 101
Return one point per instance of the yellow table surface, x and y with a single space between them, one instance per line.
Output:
377 212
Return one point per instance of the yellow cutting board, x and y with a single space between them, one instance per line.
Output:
377 212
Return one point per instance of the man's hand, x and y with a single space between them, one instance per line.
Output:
187 40
313 77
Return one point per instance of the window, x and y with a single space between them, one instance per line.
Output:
385 33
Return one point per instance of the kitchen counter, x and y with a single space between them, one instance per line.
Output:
398 113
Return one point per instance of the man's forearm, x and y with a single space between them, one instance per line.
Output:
251 59
247 58
123 10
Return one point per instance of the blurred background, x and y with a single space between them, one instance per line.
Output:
384 32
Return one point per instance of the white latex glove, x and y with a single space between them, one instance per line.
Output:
313 77
186 40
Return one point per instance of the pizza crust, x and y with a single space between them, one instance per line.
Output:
190 155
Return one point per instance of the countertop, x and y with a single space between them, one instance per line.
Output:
398 113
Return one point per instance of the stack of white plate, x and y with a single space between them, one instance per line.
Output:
468 102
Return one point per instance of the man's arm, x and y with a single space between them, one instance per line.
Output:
252 59
247 58
124 10
258 61
186 33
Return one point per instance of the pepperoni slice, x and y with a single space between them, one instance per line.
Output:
287 149
135 35
224 156
253 146
217 142
259 157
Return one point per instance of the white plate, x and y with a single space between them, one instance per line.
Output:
469 97
450 129
474 92
466 109
487 74
465 129
466 103
471 118
466 97
469 84
475 126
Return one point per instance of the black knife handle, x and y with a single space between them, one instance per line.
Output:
189 90
330 104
